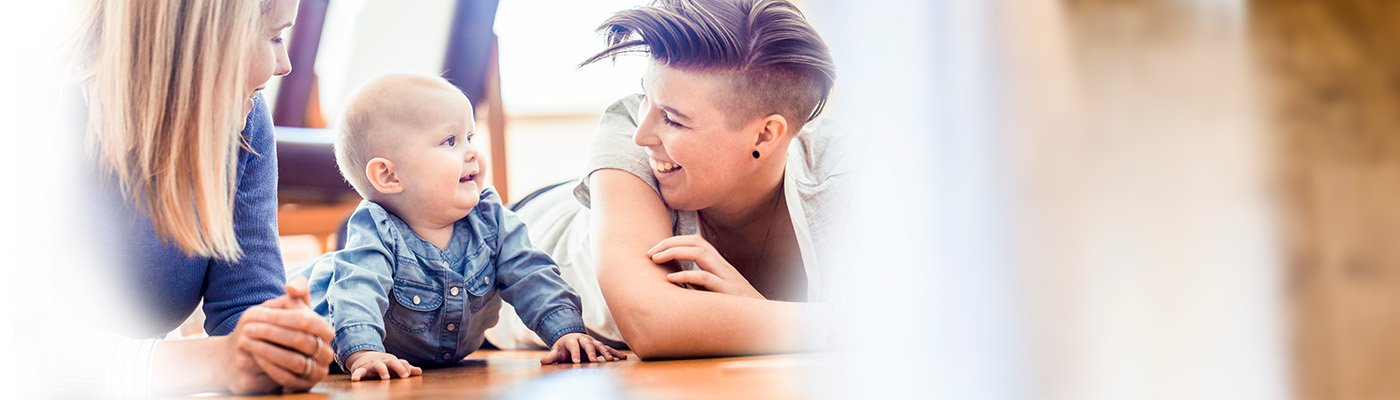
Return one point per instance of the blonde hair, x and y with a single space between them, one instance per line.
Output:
165 86
384 103
779 62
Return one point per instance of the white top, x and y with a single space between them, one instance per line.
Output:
559 225
814 183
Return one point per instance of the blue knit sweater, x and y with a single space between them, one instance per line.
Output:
168 285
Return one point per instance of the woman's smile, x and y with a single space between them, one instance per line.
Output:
663 167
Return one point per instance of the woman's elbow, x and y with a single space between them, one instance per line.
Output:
637 320
645 340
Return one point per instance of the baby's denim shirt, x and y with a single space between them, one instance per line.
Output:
391 291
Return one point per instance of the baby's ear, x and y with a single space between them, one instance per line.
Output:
381 175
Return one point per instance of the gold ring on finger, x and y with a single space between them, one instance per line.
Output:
310 366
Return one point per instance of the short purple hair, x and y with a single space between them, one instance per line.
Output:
780 63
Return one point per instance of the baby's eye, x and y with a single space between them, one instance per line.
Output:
451 141
470 136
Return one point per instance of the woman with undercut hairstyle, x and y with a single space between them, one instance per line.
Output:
699 226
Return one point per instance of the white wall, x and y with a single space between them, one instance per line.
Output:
541 43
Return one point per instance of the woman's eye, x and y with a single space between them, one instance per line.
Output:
277 40
669 121
451 141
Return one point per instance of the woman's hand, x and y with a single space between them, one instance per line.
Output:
241 376
284 340
578 347
715 274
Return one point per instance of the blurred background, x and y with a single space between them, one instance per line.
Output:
1059 198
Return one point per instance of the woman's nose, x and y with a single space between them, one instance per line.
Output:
284 64
645 135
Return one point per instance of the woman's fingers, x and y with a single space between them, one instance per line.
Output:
703 279
298 289
286 379
706 258
301 342
288 360
679 241
294 319
325 356
358 374
677 253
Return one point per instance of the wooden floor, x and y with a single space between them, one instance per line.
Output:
518 374
1333 69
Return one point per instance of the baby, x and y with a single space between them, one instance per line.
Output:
429 253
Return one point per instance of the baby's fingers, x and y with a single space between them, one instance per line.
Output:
572 345
551 357
382 369
613 354
358 374
397 368
406 369
588 348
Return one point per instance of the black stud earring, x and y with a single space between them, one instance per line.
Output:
755 154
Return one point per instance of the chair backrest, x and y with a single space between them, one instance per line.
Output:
294 94
469 47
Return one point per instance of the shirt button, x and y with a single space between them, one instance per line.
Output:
486 280
451 327
454 290
417 300
446 356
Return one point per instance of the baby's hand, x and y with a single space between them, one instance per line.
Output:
573 346
375 364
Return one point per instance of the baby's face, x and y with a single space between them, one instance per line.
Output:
437 164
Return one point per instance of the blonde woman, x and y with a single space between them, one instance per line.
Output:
185 153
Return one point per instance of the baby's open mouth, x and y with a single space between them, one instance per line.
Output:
662 167
468 178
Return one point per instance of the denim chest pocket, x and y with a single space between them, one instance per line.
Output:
481 277
414 306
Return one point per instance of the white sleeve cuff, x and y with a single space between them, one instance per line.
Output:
132 374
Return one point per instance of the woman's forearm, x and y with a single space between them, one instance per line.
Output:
661 320
187 366
682 323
